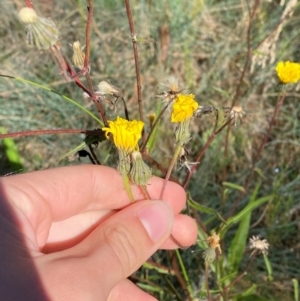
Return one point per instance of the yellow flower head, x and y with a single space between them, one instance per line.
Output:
126 134
288 72
183 107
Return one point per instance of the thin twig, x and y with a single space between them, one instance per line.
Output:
225 289
200 155
238 88
178 274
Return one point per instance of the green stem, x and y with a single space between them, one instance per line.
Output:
172 164
185 275
128 187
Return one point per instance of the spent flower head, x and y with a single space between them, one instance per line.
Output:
209 254
172 85
41 32
235 113
259 245
288 72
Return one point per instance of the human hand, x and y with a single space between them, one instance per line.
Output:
72 234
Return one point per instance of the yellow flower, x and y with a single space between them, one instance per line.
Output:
183 107
126 134
288 72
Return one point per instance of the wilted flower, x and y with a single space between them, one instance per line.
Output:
41 32
235 113
209 254
260 245
184 107
78 55
140 173
288 72
204 110
105 88
125 135
172 86
183 159
151 117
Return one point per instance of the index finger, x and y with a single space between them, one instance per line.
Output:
67 191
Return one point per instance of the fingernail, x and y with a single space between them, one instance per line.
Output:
157 219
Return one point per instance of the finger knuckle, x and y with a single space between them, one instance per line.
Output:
123 246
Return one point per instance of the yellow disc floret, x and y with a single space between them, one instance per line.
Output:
125 134
183 107
288 72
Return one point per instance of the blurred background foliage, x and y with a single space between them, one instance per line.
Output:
203 43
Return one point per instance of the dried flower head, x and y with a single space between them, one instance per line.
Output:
260 245
184 107
41 32
209 254
204 110
235 113
78 55
105 88
140 173
172 85
151 117
183 159
288 72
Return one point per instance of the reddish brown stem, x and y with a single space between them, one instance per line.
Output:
136 59
262 144
238 88
42 132
28 3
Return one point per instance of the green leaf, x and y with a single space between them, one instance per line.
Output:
11 152
204 209
238 244
53 91
233 186
151 142
251 206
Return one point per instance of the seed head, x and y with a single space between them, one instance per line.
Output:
41 32
235 113
260 245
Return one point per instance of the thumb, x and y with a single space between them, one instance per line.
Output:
123 242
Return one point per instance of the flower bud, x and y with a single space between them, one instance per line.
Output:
140 173
78 55
105 88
